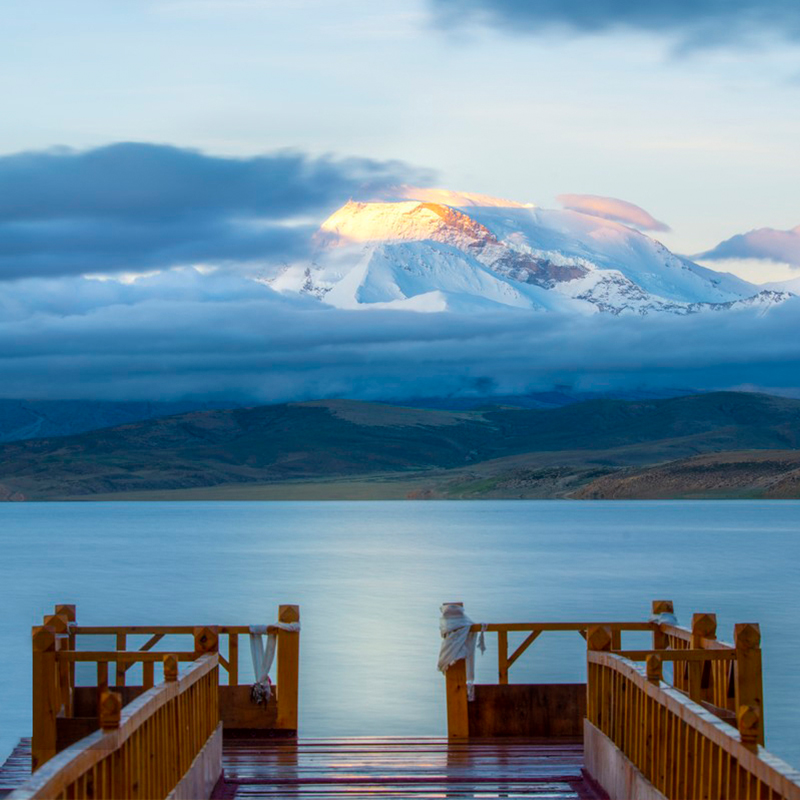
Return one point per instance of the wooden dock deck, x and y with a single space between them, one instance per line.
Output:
402 767
631 732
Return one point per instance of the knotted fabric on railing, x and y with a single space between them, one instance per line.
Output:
263 656
459 642
664 618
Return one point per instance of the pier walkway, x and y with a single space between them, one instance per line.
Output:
358 768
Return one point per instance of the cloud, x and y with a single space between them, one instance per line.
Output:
135 207
765 244
696 23
613 209
184 334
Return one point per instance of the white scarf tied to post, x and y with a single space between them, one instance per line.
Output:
263 656
459 642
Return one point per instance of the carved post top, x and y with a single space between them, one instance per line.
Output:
288 613
654 667
747 635
206 639
170 667
704 625
663 607
59 623
110 710
68 610
598 637
43 638
748 720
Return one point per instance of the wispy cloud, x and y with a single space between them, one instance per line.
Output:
696 24
135 207
766 244
613 209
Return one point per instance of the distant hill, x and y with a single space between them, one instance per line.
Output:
35 419
496 452
739 474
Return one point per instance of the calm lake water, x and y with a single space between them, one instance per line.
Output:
370 577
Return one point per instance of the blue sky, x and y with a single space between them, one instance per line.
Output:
697 126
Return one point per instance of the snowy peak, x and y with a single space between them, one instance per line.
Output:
424 254
406 221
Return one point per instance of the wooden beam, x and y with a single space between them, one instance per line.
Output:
529 640
494 627
288 668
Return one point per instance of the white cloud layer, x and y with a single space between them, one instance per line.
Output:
184 334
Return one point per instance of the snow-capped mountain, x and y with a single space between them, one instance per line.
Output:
436 250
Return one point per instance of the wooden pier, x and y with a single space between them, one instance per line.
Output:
633 730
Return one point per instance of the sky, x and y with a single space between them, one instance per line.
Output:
122 120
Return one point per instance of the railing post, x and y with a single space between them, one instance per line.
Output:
206 639
45 696
288 669
749 687
749 723
170 667
457 700
109 710
654 667
502 657
69 611
233 659
659 637
59 623
704 626
457 694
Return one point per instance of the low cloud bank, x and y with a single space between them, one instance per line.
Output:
132 207
183 334
765 244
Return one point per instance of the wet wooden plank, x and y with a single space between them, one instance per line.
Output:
17 767
403 767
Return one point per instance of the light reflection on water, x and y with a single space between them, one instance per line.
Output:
370 576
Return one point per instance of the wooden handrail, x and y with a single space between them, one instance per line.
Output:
495 627
169 723
676 744
124 656
162 630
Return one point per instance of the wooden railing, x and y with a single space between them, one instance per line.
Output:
56 651
141 750
458 707
674 743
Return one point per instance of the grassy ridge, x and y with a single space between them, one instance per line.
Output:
375 450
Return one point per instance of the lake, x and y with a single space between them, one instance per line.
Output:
370 577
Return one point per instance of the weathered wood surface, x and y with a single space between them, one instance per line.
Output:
403 767
17 767
527 710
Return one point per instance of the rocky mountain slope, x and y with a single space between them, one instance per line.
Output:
478 253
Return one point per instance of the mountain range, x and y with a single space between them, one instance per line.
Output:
435 250
341 448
